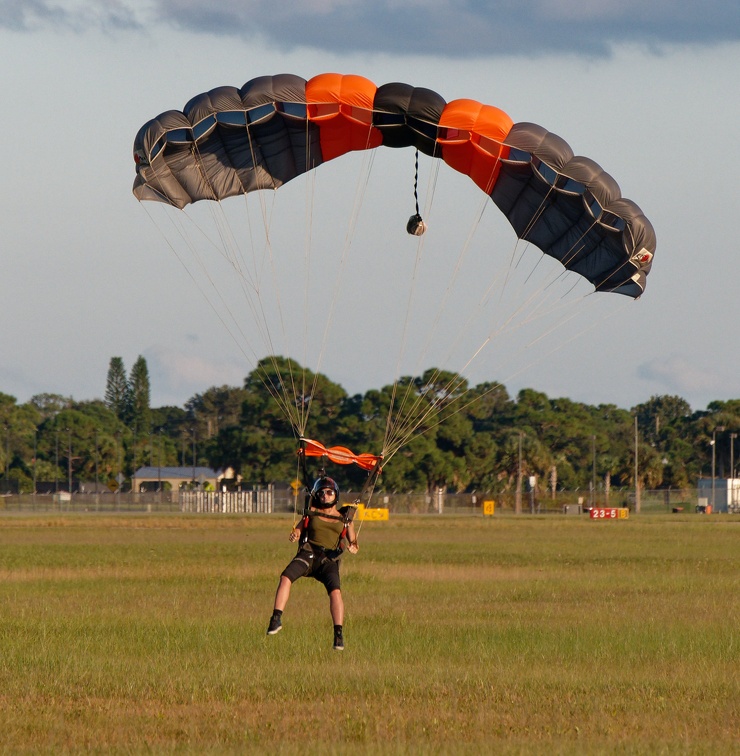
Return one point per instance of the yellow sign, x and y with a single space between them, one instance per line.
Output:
376 514
295 485
609 513
489 507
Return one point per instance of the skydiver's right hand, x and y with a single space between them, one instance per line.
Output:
294 534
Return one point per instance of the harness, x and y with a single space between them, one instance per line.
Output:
345 516
346 512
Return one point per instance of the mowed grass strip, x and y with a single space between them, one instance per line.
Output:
507 635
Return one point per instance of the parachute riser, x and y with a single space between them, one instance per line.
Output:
369 486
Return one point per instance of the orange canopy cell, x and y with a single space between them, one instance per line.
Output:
342 106
472 136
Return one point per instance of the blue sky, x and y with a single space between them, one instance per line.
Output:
648 90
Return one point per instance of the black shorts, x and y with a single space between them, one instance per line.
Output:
316 565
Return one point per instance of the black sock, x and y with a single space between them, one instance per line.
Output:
337 629
277 613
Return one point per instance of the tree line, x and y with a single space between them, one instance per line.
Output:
485 442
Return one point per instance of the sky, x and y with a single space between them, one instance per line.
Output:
648 90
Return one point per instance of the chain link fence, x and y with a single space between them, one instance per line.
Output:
276 499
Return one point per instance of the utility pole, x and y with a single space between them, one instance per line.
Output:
593 471
637 472
193 430
7 454
713 442
733 436
518 499
731 500
69 459
97 473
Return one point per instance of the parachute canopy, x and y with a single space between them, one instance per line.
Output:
231 141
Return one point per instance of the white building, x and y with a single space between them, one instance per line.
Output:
722 494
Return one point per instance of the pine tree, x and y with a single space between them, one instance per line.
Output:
139 391
117 389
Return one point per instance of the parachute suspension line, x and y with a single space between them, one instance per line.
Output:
444 300
592 323
222 250
445 401
231 249
535 311
247 281
310 200
456 381
410 420
252 292
537 214
404 337
301 400
367 491
303 394
534 269
534 307
540 310
240 343
298 406
477 310
572 252
469 403
219 314
229 246
309 361
289 397
368 161
514 263
537 308
232 252
431 186
301 475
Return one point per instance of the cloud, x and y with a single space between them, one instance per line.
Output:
177 376
443 28
685 376
74 15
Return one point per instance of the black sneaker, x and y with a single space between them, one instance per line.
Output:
338 642
276 625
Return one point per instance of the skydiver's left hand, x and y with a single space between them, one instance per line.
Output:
353 548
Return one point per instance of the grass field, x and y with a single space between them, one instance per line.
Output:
133 634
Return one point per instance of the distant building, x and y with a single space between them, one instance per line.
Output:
148 478
726 494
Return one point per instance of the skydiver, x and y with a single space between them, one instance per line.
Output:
320 534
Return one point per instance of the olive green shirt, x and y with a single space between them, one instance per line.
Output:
324 533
